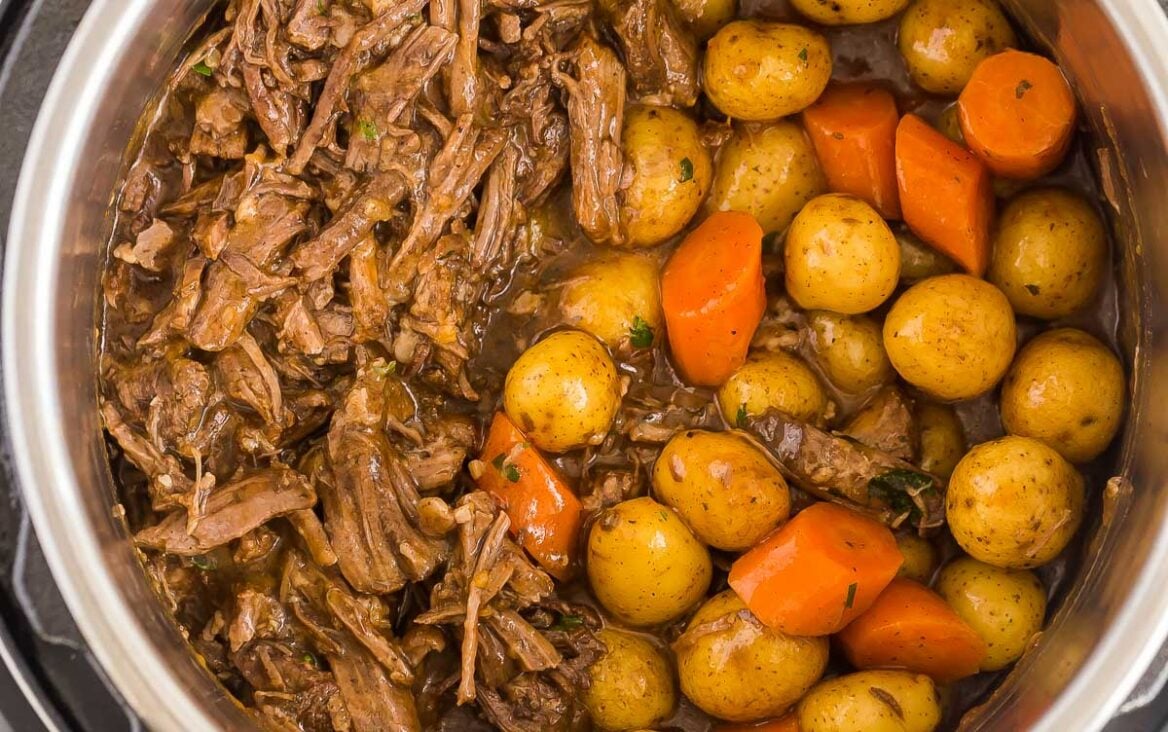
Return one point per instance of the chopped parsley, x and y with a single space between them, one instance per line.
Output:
1023 87
320 8
740 417
851 599
203 562
367 129
803 55
511 473
641 333
896 488
203 68
569 622
308 659
686 170
498 462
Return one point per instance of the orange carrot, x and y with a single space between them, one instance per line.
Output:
818 572
946 194
713 295
1017 114
910 626
786 723
545 514
853 129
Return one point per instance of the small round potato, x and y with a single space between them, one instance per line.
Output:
563 392
615 297
1067 389
773 380
644 565
1014 503
872 701
942 438
735 668
848 12
942 41
952 336
671 173
841 256
1005 607
850 350
723 487
631 684
705 17
756 71
1050 253
920 558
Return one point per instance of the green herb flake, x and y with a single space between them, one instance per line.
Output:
568 622
896 489
686 170
641 333
851 599
803 55
1032 289
320 8
1023 87
511 473
308 659
664 516
367 129
203 562
203 68
740 417
498 462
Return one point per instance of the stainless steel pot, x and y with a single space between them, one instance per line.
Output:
1103 638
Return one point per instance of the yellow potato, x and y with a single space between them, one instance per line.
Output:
631 684
1014 503
773 380
705 17
850 350
872 701
644 565
1005 607
919 261
756 70
952 336
723 487
1050 253
671 173
848 12
615 297
920 558
841 256
1067 389
942 41
563 392
767 171
942 438
735 668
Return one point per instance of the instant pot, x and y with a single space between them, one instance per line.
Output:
84 644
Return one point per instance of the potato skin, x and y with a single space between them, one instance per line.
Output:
733 667
607 294
631 685
920 558
768 171
942 41
1014 503
563 392
942 438
1067 389
644 565
841 256
850 350
847 704
1050 253
1005 607
773 380
723 488
705 17
671 173
952 336
757 71
848 12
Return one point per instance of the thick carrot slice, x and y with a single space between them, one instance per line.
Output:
853 129
910 626
545 514
818 572
1017 114
786 723
946 194
713 295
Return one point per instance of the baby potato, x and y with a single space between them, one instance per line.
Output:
1005 607
1050 253
1014 503
1066 389
767 171
773 380
848 12
920 558
850 350
671 173
723 487
872 701
756 71
631 684
563 392
952 336
942 438
615 297
735 668
840 256
705 17
942 41
644 565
